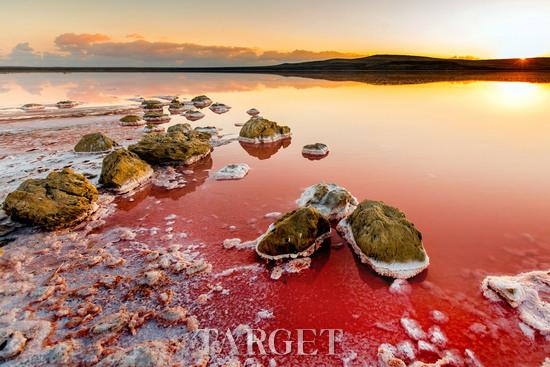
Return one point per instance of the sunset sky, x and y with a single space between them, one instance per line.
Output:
238 32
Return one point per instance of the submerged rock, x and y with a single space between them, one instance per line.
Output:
317 149
332 201
67 104
95 142
253 112
526 292
156 118
201 101
383 238
296 234
232 172
173 147
131 120
260 130
60 200
124 171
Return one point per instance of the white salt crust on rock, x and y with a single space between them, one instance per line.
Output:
135 182
399 270
232 172
193 115
331 213
266 139
157 119
253 112
320 151
525 292
306 253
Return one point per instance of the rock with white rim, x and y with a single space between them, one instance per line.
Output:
123 171
156 118
201 101
219 108
232 172
152 128
331 200
253 112
317 149
67 104
210 130
298 233
193 115
383 238
95 143
524 292
33 107
258 130
132 120
152 106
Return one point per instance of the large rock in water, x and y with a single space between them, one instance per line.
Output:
333 201
259 130
60 200
175 147
298 233
95 142
383 238
124 171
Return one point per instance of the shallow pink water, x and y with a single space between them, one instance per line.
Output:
466 162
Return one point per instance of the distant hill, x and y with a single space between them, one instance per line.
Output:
417 63
387 63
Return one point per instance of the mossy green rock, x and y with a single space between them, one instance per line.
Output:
130 119
123 171
95 142
383 233
259 128
60 200
293 233
174 147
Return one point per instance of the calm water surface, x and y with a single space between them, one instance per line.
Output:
467 162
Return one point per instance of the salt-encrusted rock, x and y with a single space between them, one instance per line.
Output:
317 149
60 200
152 128
153 353
253 112
296 234
95 142
123 171
333 201
131 120
173 147
175 107
232 172
210 130
259 130
58 355
387 357
187 105
526 292
383 238
193 115
66 104
12 343
201 101
32 107
156 118
219 108
152 106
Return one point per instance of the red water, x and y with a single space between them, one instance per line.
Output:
468 164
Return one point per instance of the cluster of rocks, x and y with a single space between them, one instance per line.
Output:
380 235
65 198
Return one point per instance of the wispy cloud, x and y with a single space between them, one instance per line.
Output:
100 50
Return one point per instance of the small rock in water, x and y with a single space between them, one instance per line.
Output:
413 328
317 149
231 242
400 286
253 112
439 317
273 215
276 273
232 172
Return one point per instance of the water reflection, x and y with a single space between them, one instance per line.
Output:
266 150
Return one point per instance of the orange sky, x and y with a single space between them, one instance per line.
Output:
174 32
